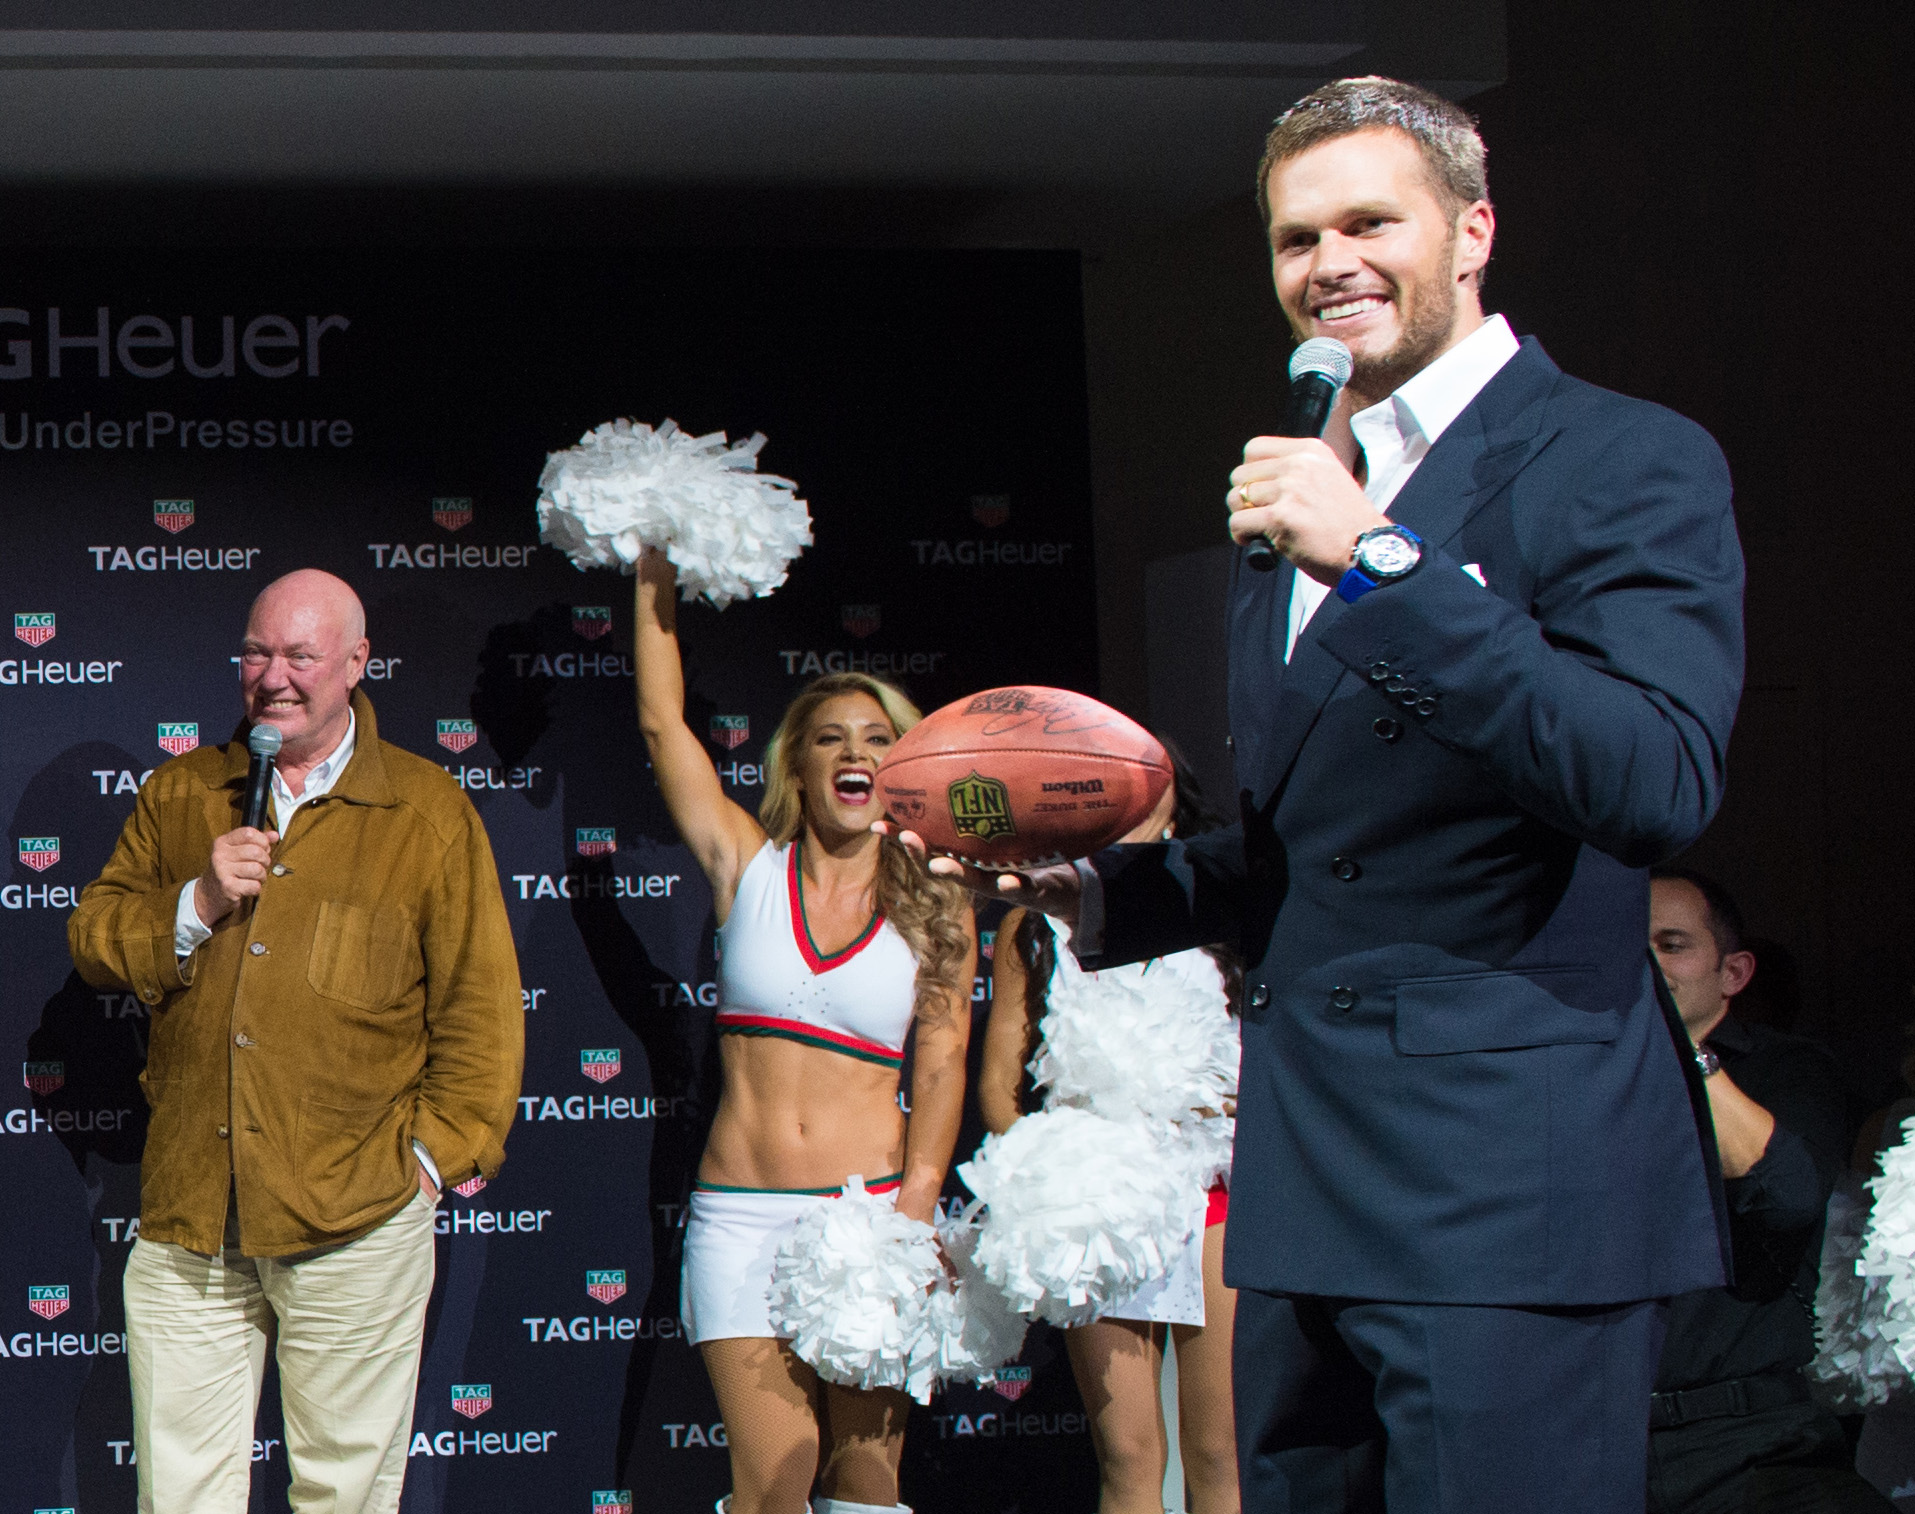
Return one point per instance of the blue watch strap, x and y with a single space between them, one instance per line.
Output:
1354 585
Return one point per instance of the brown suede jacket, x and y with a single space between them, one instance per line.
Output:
368 999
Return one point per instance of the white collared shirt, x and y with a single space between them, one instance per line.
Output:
1397 433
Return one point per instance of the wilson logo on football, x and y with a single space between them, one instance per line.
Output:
173 515
39 852
861 620
471 1399
1011 1382
731 731
990 510
611 1501
596 840
592 621
177 737
458 735
600 1066
49 1303
980 807
606 1287
34 630
44 1077
453 514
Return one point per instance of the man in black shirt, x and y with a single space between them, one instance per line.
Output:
1732 1427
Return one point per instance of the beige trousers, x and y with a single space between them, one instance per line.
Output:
350 1323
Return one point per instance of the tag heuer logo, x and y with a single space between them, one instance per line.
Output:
453 514
596 840
471 1399
457 735
611 1501
990 510
44 1077
981 807
39 852
600 1066
731 731
861 620
48 1303
1010 1382
34 630
606 1287
173 515
469 1187
987 945
592 621
178 736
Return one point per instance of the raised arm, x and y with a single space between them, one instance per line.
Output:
1009 1037
941 1035
723 836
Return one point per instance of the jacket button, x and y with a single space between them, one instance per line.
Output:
1426 705
1379 671
222 1132
1260 996
1395 683
242 1039
279 869
151 996
1345 869
258 948
1386 728
1343 998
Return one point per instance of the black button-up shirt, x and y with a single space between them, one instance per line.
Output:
1764 1322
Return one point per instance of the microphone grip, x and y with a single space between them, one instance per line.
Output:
259 783
1305 414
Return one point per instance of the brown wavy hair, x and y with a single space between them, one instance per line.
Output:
928 912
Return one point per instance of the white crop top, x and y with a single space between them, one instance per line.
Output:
773 981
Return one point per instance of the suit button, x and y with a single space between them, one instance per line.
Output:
1395 684
1386 728
1379 671
258 948
1345 869
1408 698
1260 996
222 1132
1343 998
1426 705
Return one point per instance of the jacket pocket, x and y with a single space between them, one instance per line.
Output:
1494 1011
361 957
348 1157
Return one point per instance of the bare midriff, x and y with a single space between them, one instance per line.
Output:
792 1116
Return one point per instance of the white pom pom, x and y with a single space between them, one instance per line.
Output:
1081 1211
730 530
970 1329
1865 1303
1888 1247
849 1288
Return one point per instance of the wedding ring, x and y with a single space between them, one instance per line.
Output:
1243 493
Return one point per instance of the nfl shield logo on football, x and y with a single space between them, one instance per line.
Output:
1010 1382
861 620
44 1077
731 731
606 1287
173 515
990 510
469 1187
453 514
457 735
471 1399
39 852
592 621
600 1066
611 1501
177 737
48 1303
35 630
596 841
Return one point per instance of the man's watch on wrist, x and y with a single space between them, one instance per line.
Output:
1383 554
1707 1061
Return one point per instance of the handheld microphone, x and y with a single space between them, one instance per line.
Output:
263 743
1318 371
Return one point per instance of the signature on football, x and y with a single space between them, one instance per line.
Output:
1061 713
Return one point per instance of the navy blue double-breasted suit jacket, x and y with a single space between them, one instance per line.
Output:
1461 1081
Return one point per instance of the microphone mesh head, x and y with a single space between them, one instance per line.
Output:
1324 355
264 741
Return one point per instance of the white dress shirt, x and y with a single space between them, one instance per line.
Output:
1397 433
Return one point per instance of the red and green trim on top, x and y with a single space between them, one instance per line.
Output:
816 960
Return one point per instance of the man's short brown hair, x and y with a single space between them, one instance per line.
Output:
1445 134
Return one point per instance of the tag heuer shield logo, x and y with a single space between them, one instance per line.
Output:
469 1187
35 630
177 737
731 731
990 510
44 1077
1011 1382
611 1501
173 515
981 807
471 1399
596 840
861 620
592 621
453 514
458 735
48 1303
606 1287
600 1066
39 852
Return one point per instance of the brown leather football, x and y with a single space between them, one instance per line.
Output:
1019 777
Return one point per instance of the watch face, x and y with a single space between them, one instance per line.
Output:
1387 555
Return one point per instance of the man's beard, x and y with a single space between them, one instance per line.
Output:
1430 318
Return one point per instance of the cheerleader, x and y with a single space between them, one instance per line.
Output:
835 946
1118 1358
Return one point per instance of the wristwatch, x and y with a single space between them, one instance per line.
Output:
1707 1060
1383 555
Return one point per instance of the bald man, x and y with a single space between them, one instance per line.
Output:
336 1033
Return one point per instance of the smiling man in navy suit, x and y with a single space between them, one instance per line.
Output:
1491 682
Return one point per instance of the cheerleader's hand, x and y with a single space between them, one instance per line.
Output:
1049 890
